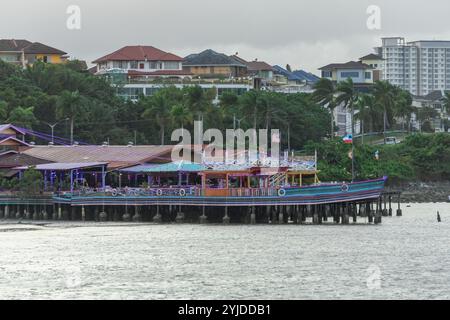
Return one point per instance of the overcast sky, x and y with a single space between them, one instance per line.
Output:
305 34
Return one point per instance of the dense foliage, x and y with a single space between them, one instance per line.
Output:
419 157
87 105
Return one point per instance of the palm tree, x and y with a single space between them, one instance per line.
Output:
346 95
249 103
384 93
70 105
157 108
180 115
365 108
324 94
447 101
403 106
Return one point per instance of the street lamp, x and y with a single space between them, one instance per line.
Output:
52 127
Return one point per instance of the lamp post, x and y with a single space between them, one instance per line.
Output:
52 127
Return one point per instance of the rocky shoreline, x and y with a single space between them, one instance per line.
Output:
423 191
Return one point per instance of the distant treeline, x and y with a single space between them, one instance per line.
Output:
46 93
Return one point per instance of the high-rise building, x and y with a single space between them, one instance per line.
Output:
419 67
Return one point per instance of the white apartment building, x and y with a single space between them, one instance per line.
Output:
419 67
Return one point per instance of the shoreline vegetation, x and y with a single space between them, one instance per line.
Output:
419 165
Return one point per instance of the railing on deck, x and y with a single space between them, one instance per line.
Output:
173 191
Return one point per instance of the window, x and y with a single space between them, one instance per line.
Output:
349 74
368 75
120 64
326 74
171 65
133 64
141 66
155 65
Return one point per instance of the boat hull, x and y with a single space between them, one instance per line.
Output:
308 195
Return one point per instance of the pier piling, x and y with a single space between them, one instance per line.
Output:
226 218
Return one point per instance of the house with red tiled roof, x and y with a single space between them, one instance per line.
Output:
143 70
141 62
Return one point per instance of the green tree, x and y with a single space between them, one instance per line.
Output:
324 94
70 105
157 108
31 183
385 97
23 117
346 95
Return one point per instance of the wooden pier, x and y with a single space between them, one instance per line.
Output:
369 211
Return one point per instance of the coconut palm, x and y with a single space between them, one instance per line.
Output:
403 106
180 115
385 96
365 111
447 101
346 95
70 105
157 108
324 94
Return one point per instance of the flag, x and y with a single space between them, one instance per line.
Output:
348 139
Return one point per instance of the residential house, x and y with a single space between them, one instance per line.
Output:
12 138
211 64
376 62
360 73
435 100
362 76
143 70
285 81
24 52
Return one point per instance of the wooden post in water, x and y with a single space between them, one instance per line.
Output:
6 216
226 218
385 211
281 215
157 218
315 215
35 212
399 210
18 213
390 205
137 217
73 213
203 218
180 216
44 213
253 216
102 216
126 216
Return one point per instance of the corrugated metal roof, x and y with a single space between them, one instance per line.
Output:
64 166
179 166
115 156
11 126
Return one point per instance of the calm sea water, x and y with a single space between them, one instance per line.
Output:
404 258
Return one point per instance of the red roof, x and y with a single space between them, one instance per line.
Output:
139 53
